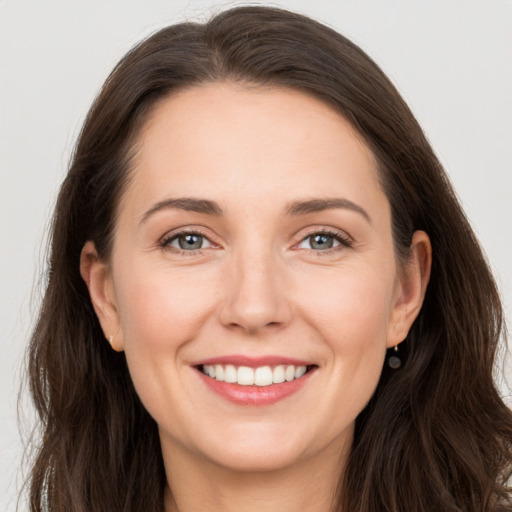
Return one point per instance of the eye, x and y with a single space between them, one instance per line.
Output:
323 241
188 241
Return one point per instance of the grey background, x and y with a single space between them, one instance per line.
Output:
451 60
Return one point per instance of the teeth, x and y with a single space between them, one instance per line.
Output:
261 376
289 373
278 374
300 371
219 372
245 376
230 374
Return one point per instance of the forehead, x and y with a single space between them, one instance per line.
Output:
228 141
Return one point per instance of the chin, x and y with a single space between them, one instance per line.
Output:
263 448
255 458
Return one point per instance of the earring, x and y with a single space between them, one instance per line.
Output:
394 361
111 339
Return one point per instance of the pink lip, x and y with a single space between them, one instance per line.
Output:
255 395
252 362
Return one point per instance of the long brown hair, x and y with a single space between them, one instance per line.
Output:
436 434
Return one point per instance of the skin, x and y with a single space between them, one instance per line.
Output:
257 287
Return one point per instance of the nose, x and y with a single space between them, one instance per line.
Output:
255 297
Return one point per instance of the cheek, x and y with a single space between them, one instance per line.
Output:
159 308
160 312
350 313
351 308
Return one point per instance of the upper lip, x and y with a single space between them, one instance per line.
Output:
253 362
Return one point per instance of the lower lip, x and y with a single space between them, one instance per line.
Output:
255 395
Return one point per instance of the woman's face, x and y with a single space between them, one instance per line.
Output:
253 242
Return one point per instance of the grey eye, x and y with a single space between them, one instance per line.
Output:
189 242
319 242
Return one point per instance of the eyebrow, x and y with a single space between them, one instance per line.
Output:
296 208
317 205
189 204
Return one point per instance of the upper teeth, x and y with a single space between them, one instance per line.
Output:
261 376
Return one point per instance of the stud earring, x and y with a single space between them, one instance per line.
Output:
394 361
111 339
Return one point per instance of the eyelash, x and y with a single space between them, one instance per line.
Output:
344 242
164 244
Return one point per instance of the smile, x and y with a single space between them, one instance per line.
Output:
260 376
255 381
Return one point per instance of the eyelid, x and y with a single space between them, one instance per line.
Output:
176 238
344 240
164 242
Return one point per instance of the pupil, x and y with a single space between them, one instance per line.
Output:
190 241
321 242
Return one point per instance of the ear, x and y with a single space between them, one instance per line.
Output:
98 278
411 288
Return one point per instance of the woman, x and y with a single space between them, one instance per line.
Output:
298 312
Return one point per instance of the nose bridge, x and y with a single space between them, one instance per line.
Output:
255 296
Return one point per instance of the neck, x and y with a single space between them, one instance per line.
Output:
195 483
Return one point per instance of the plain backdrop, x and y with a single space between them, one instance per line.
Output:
451 60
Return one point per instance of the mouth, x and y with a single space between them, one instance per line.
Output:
255 382
261 376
